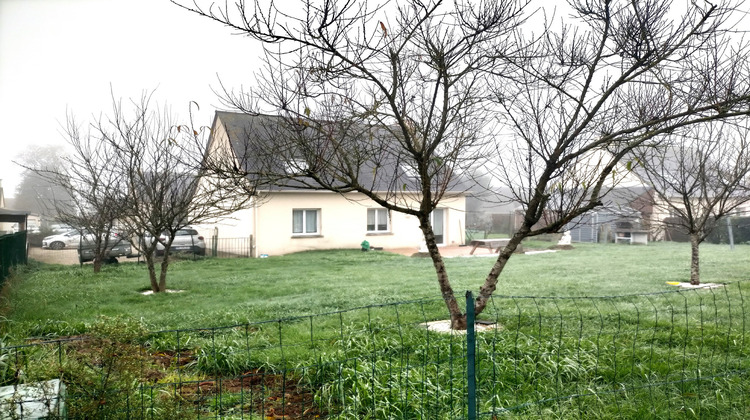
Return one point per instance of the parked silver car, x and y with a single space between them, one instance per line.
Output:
187 240
68 239
73 239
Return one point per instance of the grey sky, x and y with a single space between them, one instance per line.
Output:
62 55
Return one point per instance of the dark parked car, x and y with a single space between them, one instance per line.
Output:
118 247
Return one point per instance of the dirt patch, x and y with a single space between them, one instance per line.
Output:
272 395
173 359
256 391
276 395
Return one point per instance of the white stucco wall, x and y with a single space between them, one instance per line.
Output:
342 224
662 210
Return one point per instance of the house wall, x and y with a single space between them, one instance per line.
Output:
235 229
599 226
237 225
663 210
585 228
4 227
660 211
342 224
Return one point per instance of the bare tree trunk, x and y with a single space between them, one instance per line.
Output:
163 274
695 275
490 283
458 318
152 273
97 264
98 255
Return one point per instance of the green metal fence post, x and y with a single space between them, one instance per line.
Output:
471 346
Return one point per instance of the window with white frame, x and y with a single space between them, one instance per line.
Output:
305 221
377 220
437 218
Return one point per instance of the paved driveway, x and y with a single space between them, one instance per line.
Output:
61 256
446 251
51 256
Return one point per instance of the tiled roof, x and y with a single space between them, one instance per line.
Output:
262 129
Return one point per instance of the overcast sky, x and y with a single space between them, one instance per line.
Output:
59 56
62 55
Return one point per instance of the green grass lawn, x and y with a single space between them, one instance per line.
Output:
336 333
213 292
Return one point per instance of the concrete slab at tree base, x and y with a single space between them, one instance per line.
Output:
444 326
151 292
687 285
40 400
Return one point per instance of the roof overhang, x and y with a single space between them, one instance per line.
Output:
14 216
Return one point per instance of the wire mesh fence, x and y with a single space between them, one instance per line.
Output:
677 354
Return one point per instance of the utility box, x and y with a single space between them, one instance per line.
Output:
40 400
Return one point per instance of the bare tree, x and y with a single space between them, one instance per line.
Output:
89 193
163 191
415 86
34 193
621 75
699 177
385 101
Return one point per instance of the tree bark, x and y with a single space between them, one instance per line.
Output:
163 274
695 276
490 282
532 215
152 273
98 255
458 318
97 264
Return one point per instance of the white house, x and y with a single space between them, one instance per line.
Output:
291 219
